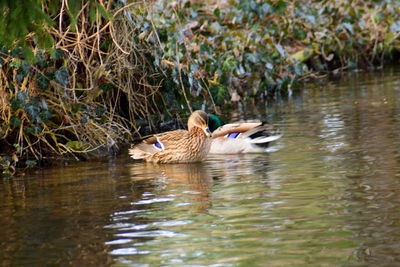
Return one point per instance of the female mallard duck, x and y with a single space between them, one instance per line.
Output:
241 137
179 146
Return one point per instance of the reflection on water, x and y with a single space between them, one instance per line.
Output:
326 195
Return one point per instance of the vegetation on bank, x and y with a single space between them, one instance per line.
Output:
83 76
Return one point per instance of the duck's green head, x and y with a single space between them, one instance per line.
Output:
214 122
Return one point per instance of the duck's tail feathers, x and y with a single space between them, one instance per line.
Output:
266 139
147 148
137 153
258 131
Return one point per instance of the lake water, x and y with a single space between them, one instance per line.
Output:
325 195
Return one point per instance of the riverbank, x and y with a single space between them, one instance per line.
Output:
110 69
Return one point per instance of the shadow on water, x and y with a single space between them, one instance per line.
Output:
326 195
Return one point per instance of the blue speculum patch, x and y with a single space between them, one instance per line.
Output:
158 145
233 135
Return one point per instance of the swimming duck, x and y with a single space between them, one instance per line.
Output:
179 146
240 137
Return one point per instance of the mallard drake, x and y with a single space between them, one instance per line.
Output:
240 137
179 146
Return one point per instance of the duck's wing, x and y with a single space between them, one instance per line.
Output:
155 143
244 137
253 130
232 128
145 149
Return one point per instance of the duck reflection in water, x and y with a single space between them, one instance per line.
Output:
189 184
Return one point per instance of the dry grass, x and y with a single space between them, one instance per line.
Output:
73 128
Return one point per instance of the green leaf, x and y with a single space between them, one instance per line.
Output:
33 113
264 9
73 8
15 103
348 26
29 130
40 60
56 54
298 68
395 27
44 40
42 81
17 52
33 130
251 57
85 118
31 163
106 86
54 7
215 28
279 7
217 12
15 122
77 145
18 148
16 63
46 115
104 13
302 55
62 76
43 105
205 48
300 34
219 93
99 111
28 54
5 162
390 37
23 70
22 96
229 64
92 13
311 19
280 49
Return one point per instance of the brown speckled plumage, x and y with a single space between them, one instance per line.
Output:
179 146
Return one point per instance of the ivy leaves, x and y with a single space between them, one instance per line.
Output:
36 108
61 76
